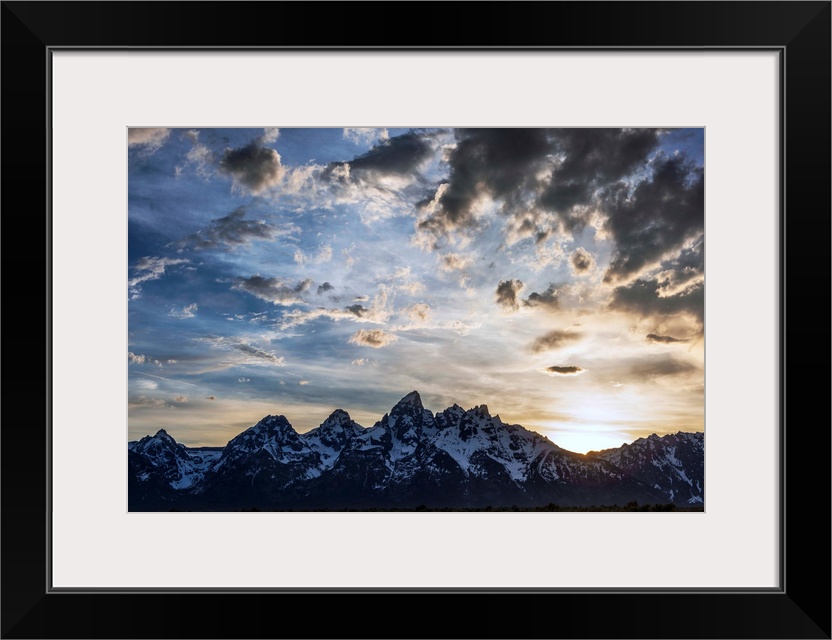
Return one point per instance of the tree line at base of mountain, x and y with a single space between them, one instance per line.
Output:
629 507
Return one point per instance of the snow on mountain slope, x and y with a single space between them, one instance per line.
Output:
411 456
673 464
179 466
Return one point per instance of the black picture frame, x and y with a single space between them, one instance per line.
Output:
799 31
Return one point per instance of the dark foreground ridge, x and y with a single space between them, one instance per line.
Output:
412 459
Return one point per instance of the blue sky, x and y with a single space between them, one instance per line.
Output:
556 275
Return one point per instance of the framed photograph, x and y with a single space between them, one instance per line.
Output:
332 260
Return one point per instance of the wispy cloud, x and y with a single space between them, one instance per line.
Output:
278 291
365 135
150 139
243 351
321 256
652 337
554 340
233 230
147 269
188 311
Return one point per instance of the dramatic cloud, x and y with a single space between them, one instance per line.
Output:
500 163
210 397
554 340
233 230
533 173
506 294
581 261
185 312
253 168
274 290
643 297
181 399
303 382
656 217
375 338
324 288
243 380
147 269
149 138
652 337
564 371
245 352
365 135
548 298
589 159
398 156
684 269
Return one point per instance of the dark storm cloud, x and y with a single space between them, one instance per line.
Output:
554 339
506 294
230 231
530 171
324 288
273 290
642 297
652 337
582 260
499 162
689 264
657 216
564 371
397 156
548 298
253 167
592 158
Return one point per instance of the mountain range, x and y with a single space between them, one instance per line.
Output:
410 458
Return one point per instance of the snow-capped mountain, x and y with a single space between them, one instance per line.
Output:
455 458
181 467
673 464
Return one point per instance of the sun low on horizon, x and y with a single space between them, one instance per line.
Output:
554 275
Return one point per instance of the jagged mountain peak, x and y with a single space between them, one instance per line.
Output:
482 411
160 441
339 415
412 399
271 422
